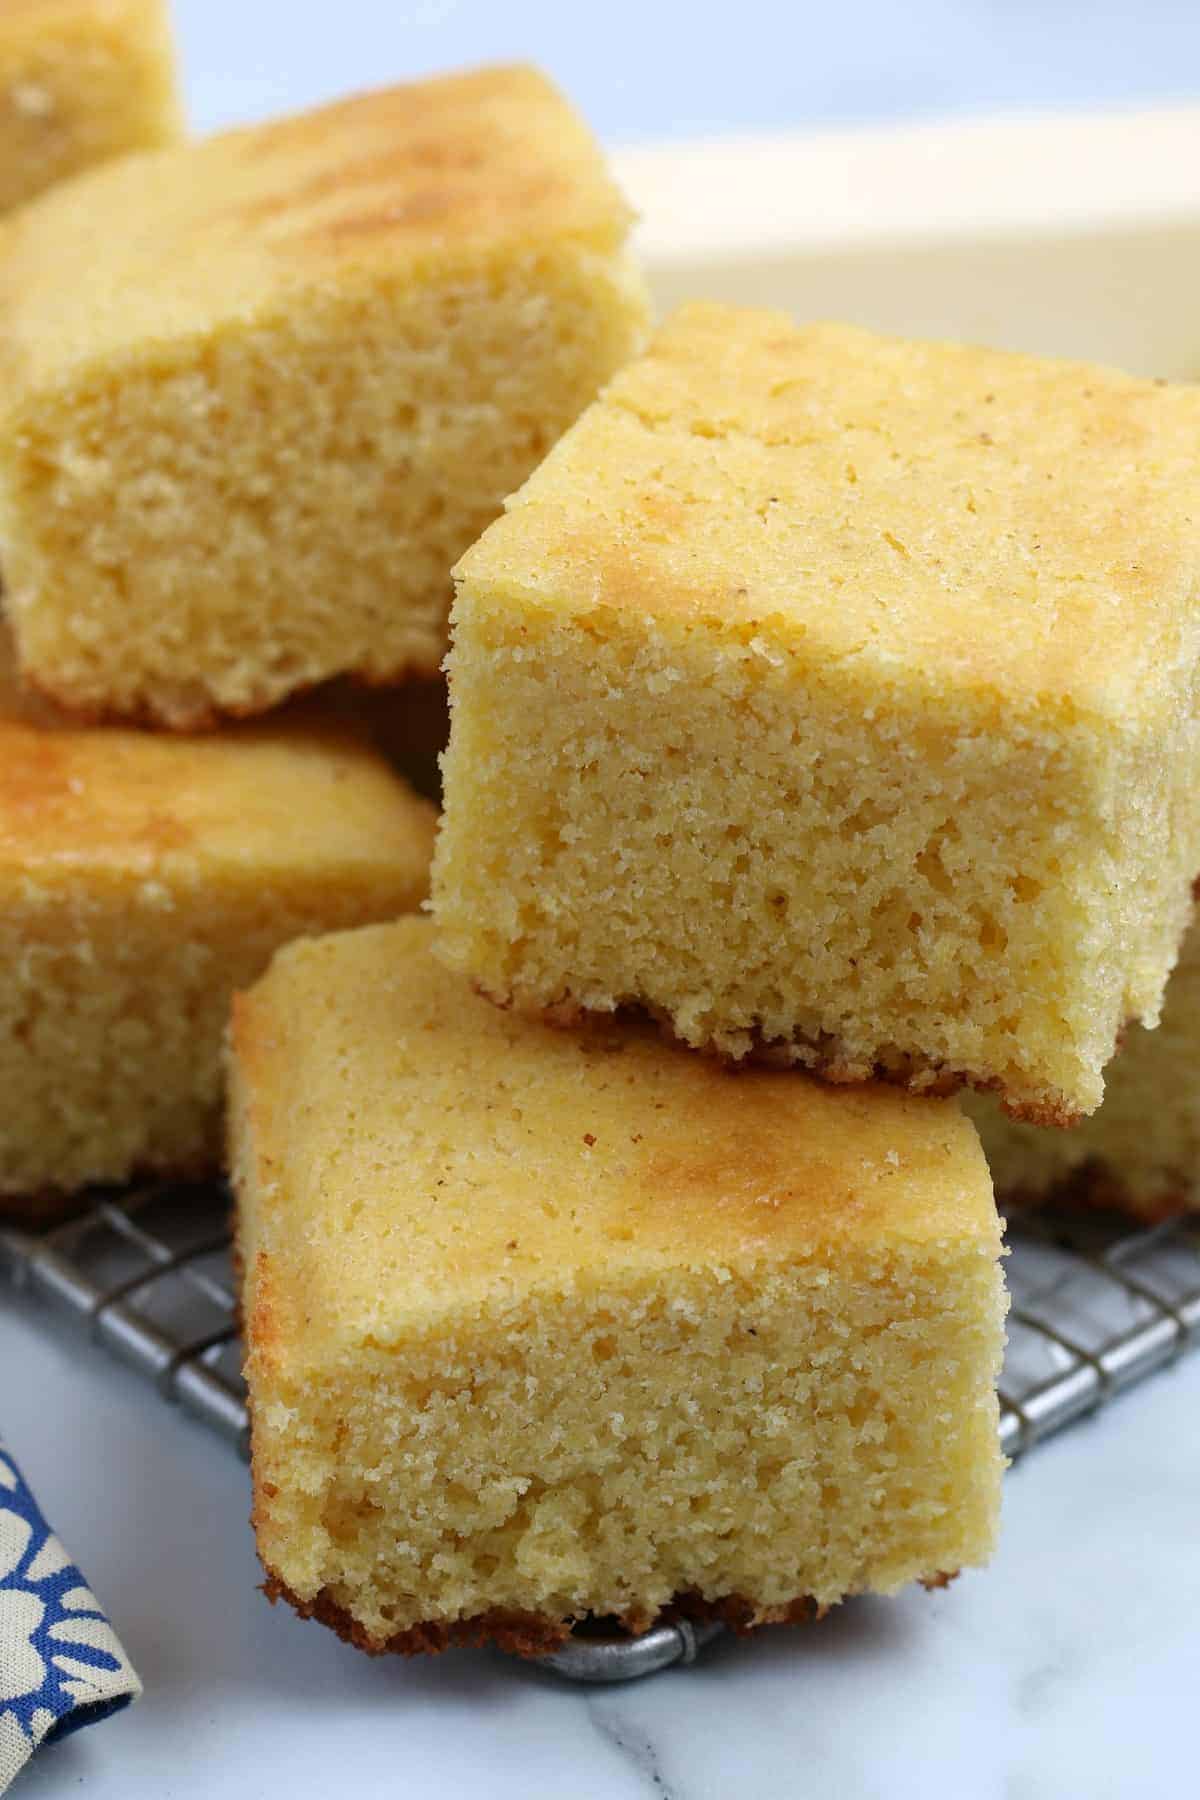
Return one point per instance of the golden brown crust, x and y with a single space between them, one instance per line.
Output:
820 1056
823 1057
522 1634
536 1634
1076 467
456 169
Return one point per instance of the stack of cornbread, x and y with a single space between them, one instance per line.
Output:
824 732
259 392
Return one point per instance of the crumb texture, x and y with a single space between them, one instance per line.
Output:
579 1322
143 880
262 391
1141 1152
837 694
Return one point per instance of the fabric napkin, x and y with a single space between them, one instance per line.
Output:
61 1666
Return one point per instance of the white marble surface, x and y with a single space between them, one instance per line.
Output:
1067 1671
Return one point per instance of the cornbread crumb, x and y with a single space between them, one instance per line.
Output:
259 392
833 697
1140 1153
727 1354
81 82
142 879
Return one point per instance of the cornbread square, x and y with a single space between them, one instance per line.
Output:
261 391
834 696
142 880
81 81
1140 1154
543 1324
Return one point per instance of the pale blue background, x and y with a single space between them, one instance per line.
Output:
641 69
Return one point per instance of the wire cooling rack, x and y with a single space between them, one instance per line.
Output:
146 1272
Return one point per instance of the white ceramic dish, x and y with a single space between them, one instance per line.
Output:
1075 236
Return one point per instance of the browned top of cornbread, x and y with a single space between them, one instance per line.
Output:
26 23
20 10
254 800
413 1147
942 515
469 168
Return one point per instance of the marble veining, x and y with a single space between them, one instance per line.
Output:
636 1745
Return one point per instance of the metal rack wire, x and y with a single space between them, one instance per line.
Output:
1096 1307
147 1272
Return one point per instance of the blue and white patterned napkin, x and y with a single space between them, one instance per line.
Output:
61 1666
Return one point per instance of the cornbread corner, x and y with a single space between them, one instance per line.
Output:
81 82
542 1324
833 696
1140 1154
260 391
142 879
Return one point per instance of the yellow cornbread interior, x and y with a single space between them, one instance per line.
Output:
835 693
546 1322
142 880
1141 1151
261 391
81 81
